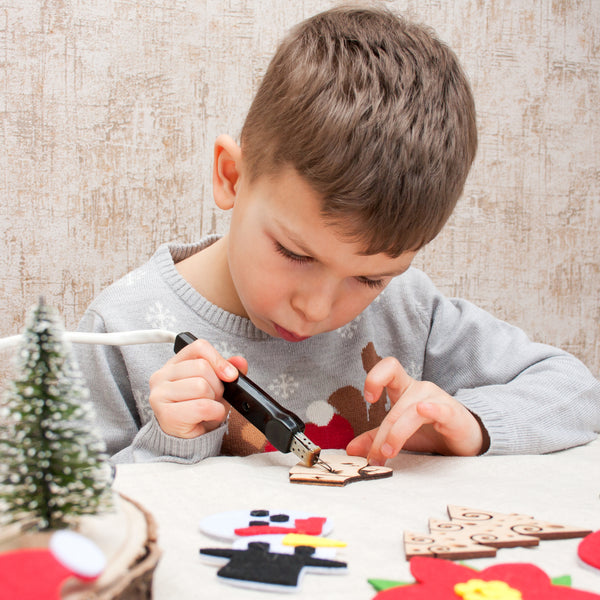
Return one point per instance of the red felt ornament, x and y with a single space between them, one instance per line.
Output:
589 549
309 526
437 579
39 573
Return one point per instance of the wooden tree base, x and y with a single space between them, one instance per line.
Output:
128 538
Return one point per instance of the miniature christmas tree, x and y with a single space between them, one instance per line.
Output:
53 466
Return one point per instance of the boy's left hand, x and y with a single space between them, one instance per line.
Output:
423 418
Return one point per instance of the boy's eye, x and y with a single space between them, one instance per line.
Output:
291 255
299 258
372 283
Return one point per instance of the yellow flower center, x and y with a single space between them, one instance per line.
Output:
477 589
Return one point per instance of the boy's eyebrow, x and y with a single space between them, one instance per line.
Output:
291 236
389 274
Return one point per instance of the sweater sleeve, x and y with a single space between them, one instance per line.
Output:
117 416
532 398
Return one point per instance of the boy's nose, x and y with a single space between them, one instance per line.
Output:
314 305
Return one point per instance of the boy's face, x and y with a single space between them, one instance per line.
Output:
295 276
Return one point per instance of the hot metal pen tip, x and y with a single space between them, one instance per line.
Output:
322 463
309 452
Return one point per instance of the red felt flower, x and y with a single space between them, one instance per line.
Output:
437 579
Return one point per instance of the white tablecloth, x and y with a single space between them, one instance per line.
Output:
370 516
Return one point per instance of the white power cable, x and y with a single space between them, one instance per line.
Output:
120 338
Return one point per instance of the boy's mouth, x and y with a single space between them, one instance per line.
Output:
288 336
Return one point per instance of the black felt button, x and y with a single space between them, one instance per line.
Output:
279 518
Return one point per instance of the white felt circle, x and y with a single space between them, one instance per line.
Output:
320 413
77 553
223 525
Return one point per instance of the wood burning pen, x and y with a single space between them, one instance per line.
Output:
281 427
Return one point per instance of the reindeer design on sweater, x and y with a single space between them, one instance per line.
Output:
350 416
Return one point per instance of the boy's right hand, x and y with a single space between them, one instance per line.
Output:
186 394
423 418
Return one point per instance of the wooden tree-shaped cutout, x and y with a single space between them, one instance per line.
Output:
475 533
53 466
509 527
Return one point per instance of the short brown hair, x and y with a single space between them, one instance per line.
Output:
378 117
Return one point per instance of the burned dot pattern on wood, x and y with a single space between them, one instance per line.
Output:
472 533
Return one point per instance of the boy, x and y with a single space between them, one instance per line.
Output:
352 157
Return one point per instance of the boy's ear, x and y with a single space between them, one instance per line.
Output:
226 171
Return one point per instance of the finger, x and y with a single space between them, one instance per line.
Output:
240 363
201 368
387 373
198 368
460 432
392 434
443 417
439 426
191 388
203 349
190 418
361 444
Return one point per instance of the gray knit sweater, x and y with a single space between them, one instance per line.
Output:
532 398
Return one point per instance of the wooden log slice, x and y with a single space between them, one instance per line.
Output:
128 538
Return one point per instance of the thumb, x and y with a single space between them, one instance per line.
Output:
240 363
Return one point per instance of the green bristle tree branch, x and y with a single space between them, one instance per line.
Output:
53 465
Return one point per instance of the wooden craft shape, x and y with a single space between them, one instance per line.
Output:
522 525
347 469
450 545
473 533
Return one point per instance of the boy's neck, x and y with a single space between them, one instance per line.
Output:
208 273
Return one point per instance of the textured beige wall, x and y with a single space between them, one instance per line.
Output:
109 108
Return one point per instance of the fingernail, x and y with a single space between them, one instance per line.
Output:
368 397
230 371
387 450
375 462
